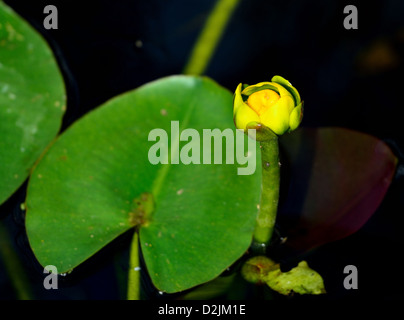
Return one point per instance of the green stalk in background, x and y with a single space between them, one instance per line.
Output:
13 266
210 36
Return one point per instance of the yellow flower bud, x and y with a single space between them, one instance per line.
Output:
275 104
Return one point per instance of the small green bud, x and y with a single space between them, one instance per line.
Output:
256 269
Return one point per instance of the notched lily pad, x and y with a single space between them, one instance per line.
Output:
96 182
142 210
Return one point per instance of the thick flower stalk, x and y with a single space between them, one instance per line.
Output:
272 109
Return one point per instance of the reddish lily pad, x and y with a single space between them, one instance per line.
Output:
338 179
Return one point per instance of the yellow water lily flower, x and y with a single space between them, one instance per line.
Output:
276 105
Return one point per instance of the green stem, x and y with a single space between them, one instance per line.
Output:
134 270
13 265
269 192
210 36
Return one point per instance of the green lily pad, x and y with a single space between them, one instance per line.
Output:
96 182
32 99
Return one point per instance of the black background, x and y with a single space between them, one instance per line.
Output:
347 78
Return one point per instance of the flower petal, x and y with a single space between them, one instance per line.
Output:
296 117
245 115
288 86
258 87
262 100
277 117
285 93
238 100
